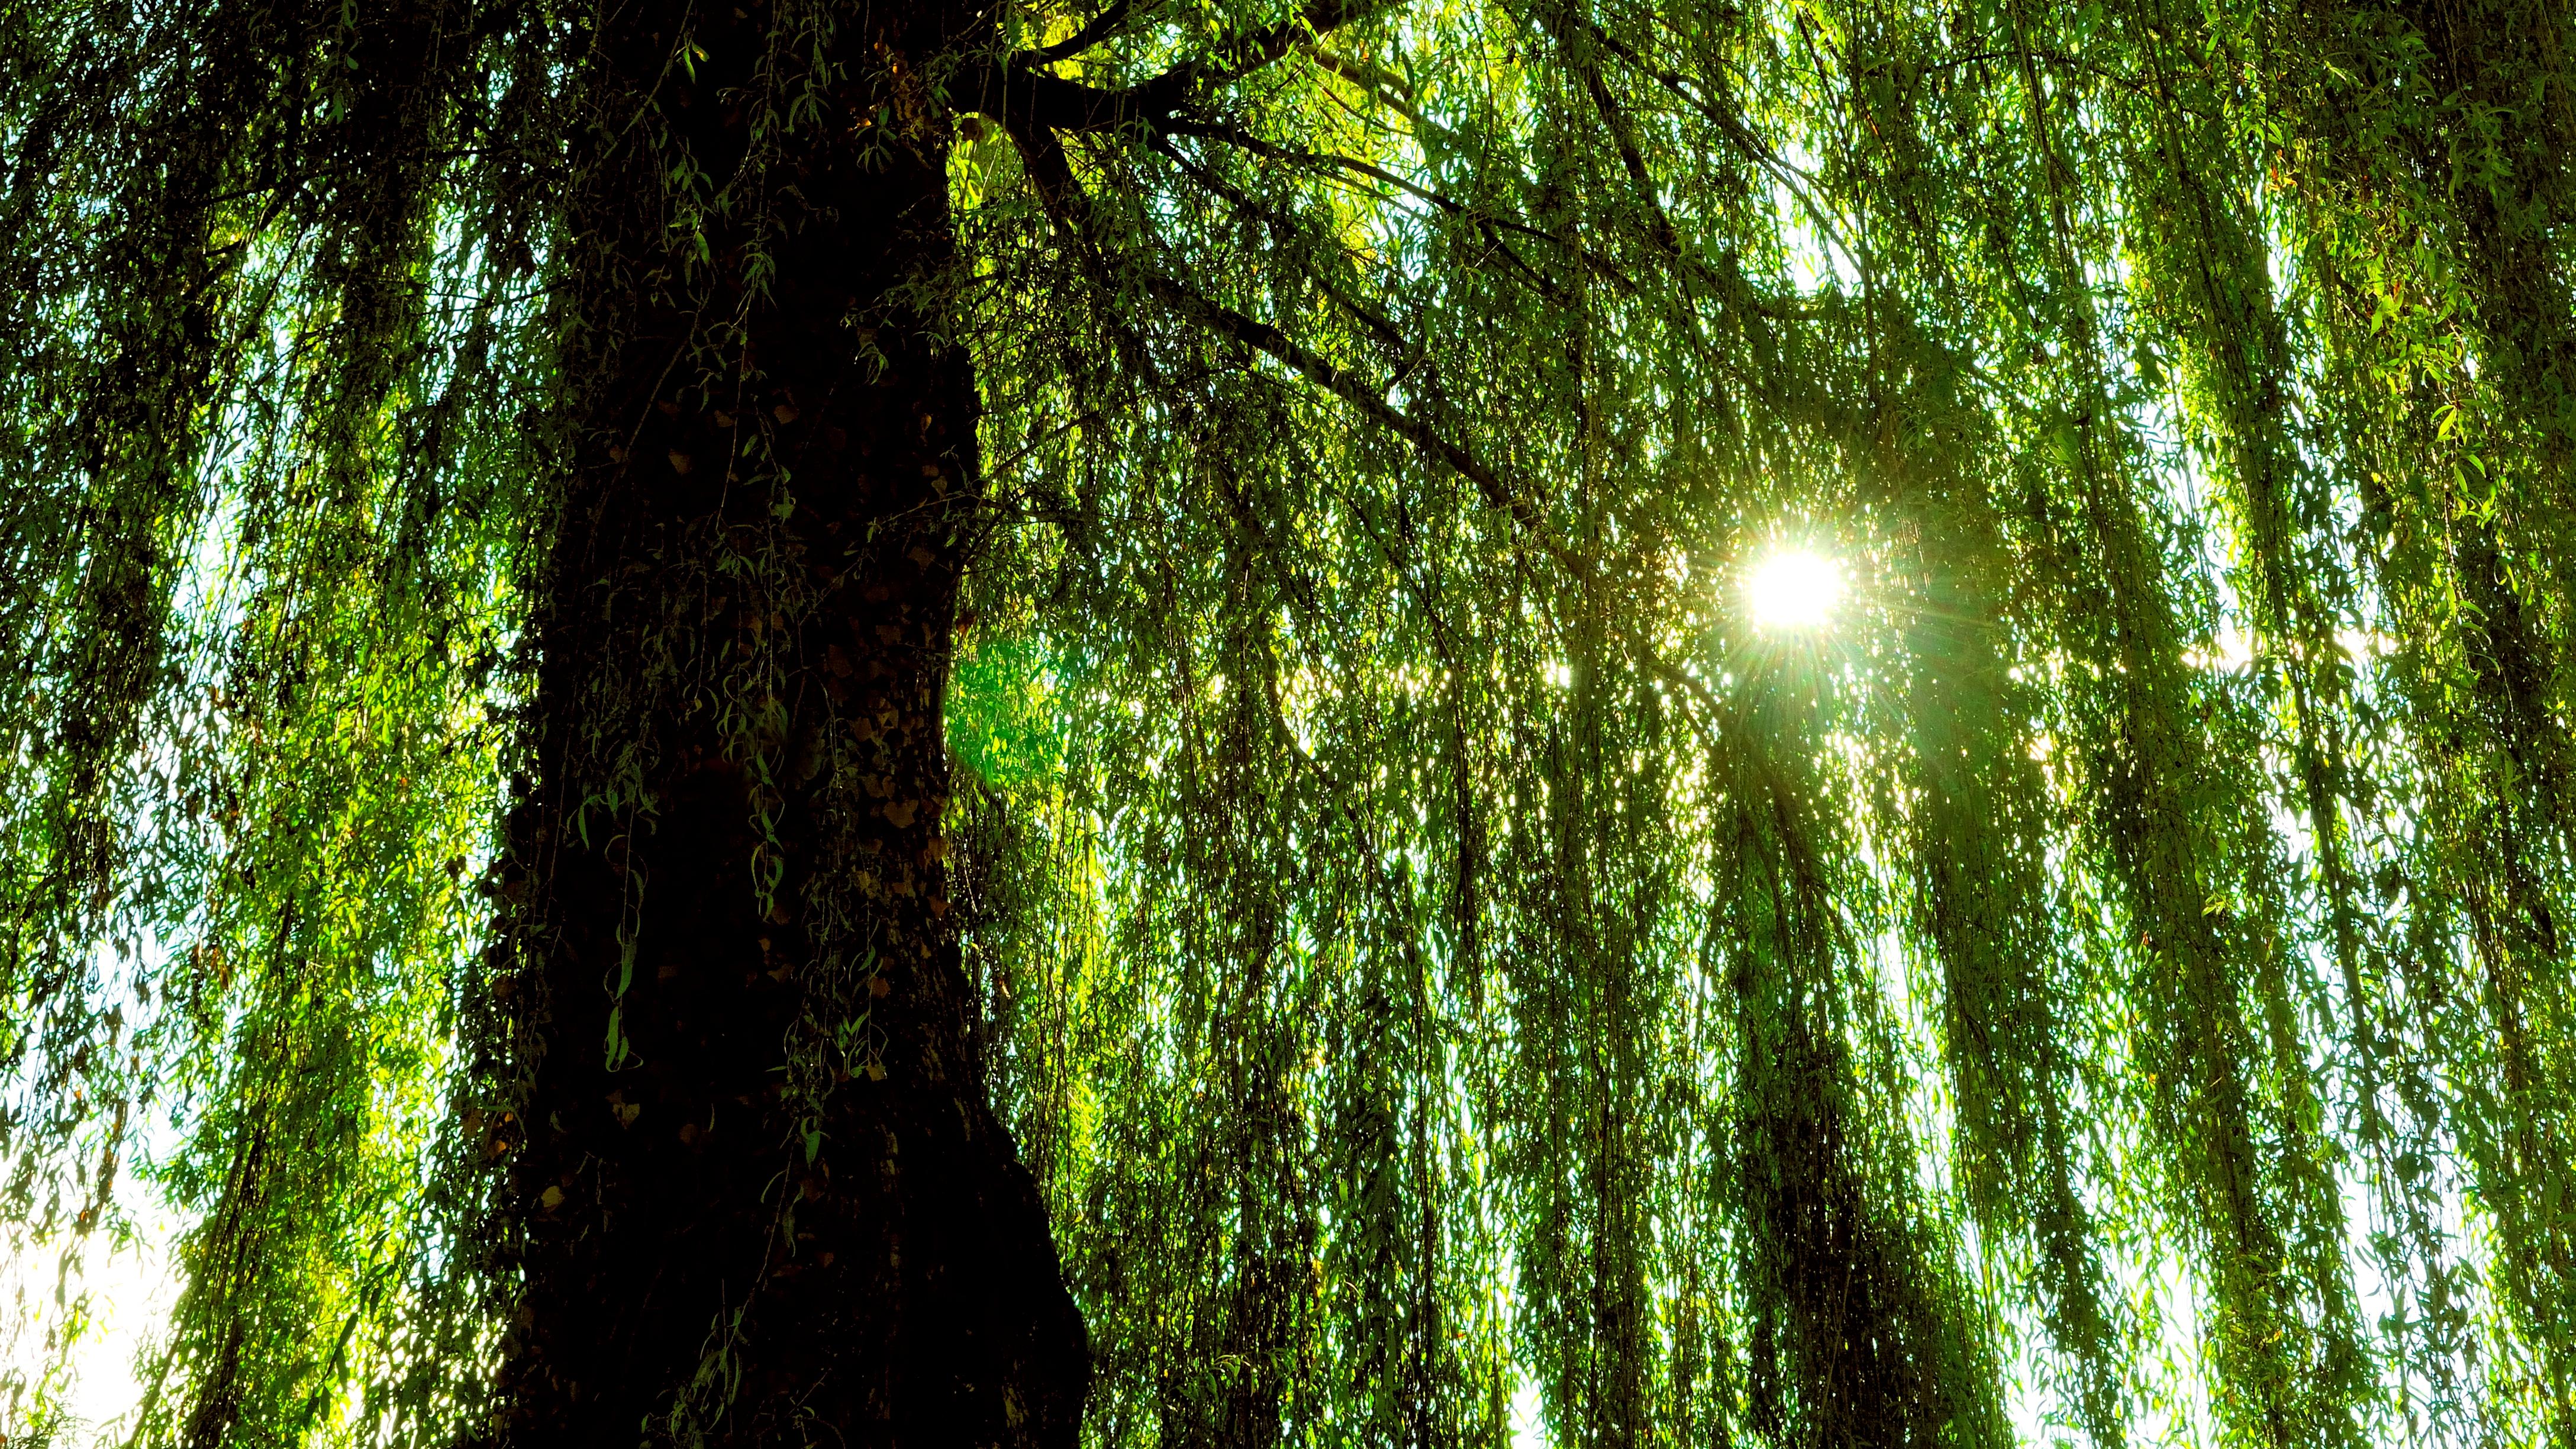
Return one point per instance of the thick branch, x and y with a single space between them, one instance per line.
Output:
1022 91
1094 31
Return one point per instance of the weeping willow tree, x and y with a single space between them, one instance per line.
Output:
790 722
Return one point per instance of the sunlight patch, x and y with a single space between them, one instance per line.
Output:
1794 589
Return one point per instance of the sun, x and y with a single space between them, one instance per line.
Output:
1794 589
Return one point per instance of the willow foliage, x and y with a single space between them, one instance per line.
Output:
1442 961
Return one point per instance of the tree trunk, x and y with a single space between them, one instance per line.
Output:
761 1193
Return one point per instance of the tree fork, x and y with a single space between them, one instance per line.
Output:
759 1191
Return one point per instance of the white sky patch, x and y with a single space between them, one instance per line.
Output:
1529 1418
2232 648
1815 257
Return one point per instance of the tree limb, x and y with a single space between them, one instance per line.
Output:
1093 31
1022 91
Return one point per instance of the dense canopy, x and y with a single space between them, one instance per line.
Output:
1455 967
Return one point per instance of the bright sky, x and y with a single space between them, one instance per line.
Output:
131 1290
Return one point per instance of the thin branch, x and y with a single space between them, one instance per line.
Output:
1060 193
1369 400
1485 217
1729 124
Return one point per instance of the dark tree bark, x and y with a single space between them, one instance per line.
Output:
710 1243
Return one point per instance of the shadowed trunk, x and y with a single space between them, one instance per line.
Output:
764 1196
